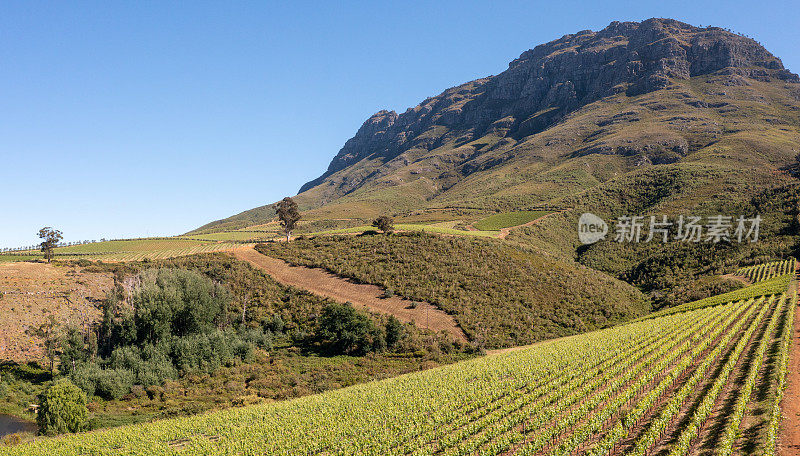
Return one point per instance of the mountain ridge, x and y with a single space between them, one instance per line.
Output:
556 75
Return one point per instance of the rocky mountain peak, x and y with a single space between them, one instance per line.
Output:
546 83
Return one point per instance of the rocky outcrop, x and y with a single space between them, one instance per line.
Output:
548 82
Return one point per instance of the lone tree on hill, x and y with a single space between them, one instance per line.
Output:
288 215
384 223
51 238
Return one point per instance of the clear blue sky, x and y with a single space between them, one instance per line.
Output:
122 119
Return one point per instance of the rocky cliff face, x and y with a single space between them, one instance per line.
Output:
548 82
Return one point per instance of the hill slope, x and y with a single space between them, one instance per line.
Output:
566 116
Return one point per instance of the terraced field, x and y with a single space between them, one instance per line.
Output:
707 380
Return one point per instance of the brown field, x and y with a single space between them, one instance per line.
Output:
34 292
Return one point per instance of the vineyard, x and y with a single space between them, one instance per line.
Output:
767 271
131 250
708 379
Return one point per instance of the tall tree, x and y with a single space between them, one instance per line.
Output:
51 239
288 215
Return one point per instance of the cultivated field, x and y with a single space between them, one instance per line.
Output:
131 250
767 271
707 380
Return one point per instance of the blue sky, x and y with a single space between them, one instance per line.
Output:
123 119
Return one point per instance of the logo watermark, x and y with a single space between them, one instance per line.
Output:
639 228
591 228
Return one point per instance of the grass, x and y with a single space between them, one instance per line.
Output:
6 258
508 219
133 245
235 236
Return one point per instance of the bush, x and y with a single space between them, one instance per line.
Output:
275 324
62 408
496 293
112 384
344 330
394 332
384 223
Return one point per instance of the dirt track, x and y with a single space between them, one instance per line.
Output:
323 283
789 443
506 231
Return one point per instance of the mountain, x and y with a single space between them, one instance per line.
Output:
567 116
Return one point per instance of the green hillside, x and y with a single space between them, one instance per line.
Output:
499 295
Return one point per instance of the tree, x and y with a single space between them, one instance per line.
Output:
394 332
384 223
62 408
51 238
344 330
288 215
48 332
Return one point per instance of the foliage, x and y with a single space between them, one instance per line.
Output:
288 215
170 321
499 295
342 329
384 223
62 408
51 238
768 287
767 271
166 303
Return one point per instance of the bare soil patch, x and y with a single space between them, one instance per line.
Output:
741 279
323 283
33 292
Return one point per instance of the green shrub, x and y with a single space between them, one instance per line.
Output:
62 409
342 329
394 332
112 384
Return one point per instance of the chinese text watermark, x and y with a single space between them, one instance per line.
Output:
661 228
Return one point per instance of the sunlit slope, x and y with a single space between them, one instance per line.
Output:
626 389
131 249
